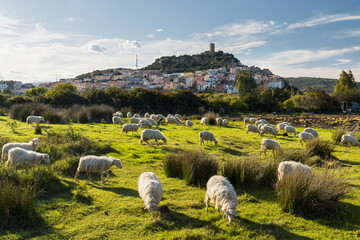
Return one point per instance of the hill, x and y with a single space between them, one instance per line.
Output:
192 63
327 84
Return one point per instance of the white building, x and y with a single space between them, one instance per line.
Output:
3 86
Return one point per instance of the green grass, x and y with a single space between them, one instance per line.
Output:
84 210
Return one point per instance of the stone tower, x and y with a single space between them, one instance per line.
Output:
212 47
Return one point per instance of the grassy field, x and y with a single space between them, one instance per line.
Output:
115 210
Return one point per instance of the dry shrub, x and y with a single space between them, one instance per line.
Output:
211 117
319 147
336 136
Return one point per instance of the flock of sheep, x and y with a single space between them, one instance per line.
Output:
219 190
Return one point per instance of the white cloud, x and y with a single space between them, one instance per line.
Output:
325 19
96 48
342 61
150 35
70 19
159 30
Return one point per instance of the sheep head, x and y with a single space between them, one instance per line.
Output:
46 158
117 163
230 214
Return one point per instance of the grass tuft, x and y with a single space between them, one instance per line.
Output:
321 148
211 117
336 136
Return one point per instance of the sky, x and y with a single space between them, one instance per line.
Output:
45 40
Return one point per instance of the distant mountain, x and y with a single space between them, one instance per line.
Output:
192 63
326 84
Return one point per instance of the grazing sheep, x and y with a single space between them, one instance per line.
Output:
170 115
117 120
135 120
129 115
290 129
153 122
349 140
178 116
189 123
252 128
246 120
221 192
350 134
136 115
34 119
19 156
305 136
160 116
253 120
146 115
93 163
32 145
208 136
268 144
263 120
178 120
290 167
266 129
172 120
145 123
225 122
312 131
204 120
218 121
281 126
118 114
261 125
258 122
154 117
130 128
150 190
149 134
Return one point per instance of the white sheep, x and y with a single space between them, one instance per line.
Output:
129 115
290 129
34 119
221 192
305 136
246 120
146 115
208 136
252 128
172 120
262 120
170 115
258 122
117 120
178 120
288 168
154 117
153 122
32 145
160 116
145 123
350 140
189 123
100 164
218 120
118 114
130 128
225 122
253 120
135 120
312 131
136 115
268 144
149 134
150 190
266 129
204 120
178 116
281 126
19 156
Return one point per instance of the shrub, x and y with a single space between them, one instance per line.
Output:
100 112
212 117
125 110
173 166
3 111
38 129
13 125
336 136
300 193
22 111
54 116
293 155
321 148
66 166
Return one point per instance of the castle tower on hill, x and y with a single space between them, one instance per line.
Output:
212 47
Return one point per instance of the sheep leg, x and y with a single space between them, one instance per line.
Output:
107 175
207 202
89 176
156 142
76 175
300 141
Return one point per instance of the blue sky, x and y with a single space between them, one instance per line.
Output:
42 39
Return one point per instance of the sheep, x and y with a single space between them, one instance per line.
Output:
260 125
262 120
350 134
145 123
34 119
135 120
221 192
153 122
252 128
160 116
225 122
350 140
268 144
246 120
287 168
100 164
253 120
268 130
154 117
258 122
281 126
20 156
208 136
170 115
189 123
150 190
178 116
312 131
178 120
305 136
204 120
32 145
136 115
218 121
130 128
117 120
129 115
172 120
290 129
146 115
118 114
149 134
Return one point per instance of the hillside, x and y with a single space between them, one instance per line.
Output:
192 63
326 84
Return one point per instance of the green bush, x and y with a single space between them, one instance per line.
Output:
22 111
66 166
38 129
319 147
54 116
336 136
99 113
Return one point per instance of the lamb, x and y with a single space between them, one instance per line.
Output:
221 192
312 131
288 168
252 128
137 115
146 115
305 136
100 164
118 114
218 121
19 156
130 128
208 136
189 123
149 134
145 123
172 120
290 129
268 130
204 120
153 122
117 120
178 116
150 190
154 117
34 119
32 145
246 120
129 115
225 122
253 120
350 140
135 120
268 144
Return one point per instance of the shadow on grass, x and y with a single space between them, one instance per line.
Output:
349 162
232 151
261 194
118 190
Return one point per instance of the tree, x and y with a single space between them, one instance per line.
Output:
345 83
64 94
35 92
245 83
